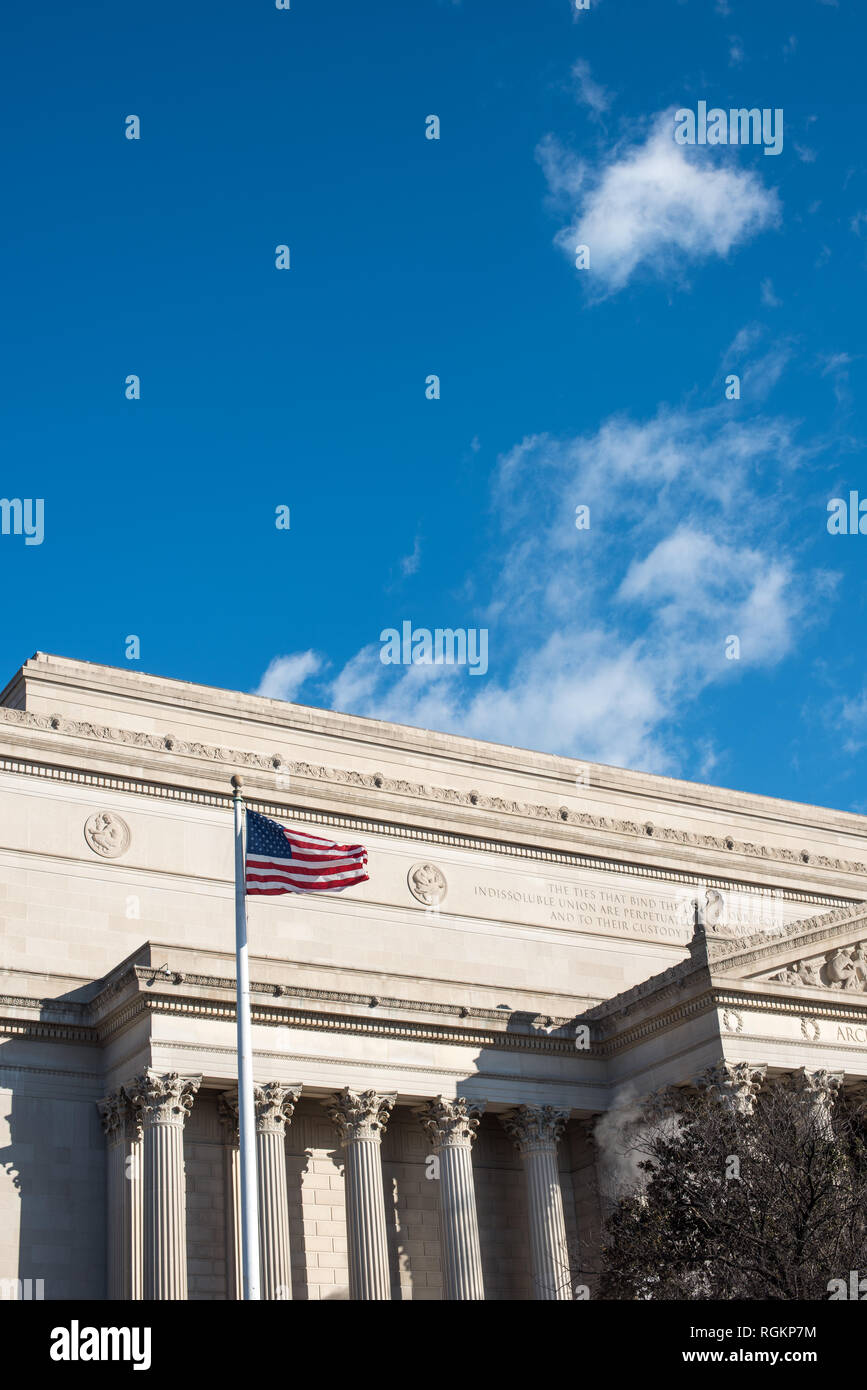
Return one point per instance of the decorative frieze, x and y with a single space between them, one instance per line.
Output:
275 763
843 967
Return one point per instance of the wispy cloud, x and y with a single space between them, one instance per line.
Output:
601 639
588 91
768 296
736 51
287 674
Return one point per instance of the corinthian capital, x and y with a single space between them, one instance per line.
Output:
818 1090
275 1106
120 1118
360 1114
163 1098
227 1109
533 1127
450 1123
734 1084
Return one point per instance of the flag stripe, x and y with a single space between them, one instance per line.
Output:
292 861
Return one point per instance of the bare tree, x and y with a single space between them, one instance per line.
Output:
760 1202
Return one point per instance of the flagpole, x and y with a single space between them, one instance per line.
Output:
246 1117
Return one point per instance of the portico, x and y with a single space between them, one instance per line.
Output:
538 942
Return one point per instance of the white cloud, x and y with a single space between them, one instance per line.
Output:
287 674
600 640
655 205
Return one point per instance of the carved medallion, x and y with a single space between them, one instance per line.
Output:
107 834
810 1029
427 883
732 1021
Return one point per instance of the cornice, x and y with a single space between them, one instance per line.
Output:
100 1020
715 998
725 953
312 775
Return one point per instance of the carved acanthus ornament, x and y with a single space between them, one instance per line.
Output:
532 1127
227 1109
121 1119
275 1106
360 1114
734 1084
818 1090
164 1098
451 1123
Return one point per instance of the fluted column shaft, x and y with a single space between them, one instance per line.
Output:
451 1126
275 1105
164 1101
361 1119
124 1196
227 1105
535 1131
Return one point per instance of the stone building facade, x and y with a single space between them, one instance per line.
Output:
539 941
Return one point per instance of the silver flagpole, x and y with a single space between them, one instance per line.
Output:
246 1118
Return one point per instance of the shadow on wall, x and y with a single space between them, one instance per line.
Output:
317 1221
500 1179
52 1175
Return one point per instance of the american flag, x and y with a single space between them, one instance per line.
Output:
290 861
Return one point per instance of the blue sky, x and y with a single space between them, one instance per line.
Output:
560 387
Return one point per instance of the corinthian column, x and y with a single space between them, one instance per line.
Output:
734 1085
227 1108
535 1130
361 1118
275 1106
451 1127
164 1102
122 1126
818 1091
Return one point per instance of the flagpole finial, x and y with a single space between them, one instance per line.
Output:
236 783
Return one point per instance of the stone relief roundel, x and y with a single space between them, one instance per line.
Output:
107 834
427 883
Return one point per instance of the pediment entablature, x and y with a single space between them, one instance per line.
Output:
827 952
